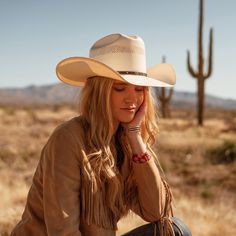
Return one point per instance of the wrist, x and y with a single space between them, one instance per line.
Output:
134 138
133 129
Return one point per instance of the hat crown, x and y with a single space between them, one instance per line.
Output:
119 57
120 52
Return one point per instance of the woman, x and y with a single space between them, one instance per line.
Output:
99 165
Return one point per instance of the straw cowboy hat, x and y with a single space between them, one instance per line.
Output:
116 56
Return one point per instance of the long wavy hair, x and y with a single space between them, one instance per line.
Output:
95 108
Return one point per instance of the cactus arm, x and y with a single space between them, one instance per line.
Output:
166 98
190 69
200 34
210 55
170 93
162 97
199 72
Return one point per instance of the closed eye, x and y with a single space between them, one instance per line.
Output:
119 89
139 89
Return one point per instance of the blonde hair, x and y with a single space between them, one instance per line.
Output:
95 108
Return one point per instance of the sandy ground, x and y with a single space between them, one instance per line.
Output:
204 192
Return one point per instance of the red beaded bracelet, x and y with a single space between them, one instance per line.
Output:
141 158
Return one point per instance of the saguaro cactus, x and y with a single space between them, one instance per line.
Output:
200 75
165 99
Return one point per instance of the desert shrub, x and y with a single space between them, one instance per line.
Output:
225 153
207 194
27 155
32 114
9 110
207 191
230 122
6 156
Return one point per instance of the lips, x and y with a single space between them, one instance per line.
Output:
129 108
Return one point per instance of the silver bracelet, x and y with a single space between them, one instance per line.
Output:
134 128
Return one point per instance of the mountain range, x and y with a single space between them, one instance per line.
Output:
59 93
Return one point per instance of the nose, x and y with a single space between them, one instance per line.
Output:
131 97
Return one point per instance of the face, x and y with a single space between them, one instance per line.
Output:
125 101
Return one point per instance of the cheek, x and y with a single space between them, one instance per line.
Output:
114 102
140 100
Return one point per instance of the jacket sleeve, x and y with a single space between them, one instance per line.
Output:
153 200
61 185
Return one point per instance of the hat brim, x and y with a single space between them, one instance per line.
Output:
76 70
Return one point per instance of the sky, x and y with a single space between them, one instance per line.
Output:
36 35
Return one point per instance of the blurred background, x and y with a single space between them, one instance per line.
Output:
197 140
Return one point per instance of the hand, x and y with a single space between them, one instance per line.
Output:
140 114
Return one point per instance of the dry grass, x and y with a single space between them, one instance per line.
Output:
204 192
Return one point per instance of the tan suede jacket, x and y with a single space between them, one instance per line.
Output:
54 202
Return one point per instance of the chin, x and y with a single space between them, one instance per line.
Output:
126 120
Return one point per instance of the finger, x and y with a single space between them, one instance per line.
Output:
144 104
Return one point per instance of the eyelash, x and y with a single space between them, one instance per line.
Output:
139 89
119 89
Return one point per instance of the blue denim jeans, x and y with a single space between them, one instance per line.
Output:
148 229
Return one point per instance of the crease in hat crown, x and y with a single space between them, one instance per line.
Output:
116 56
120 52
